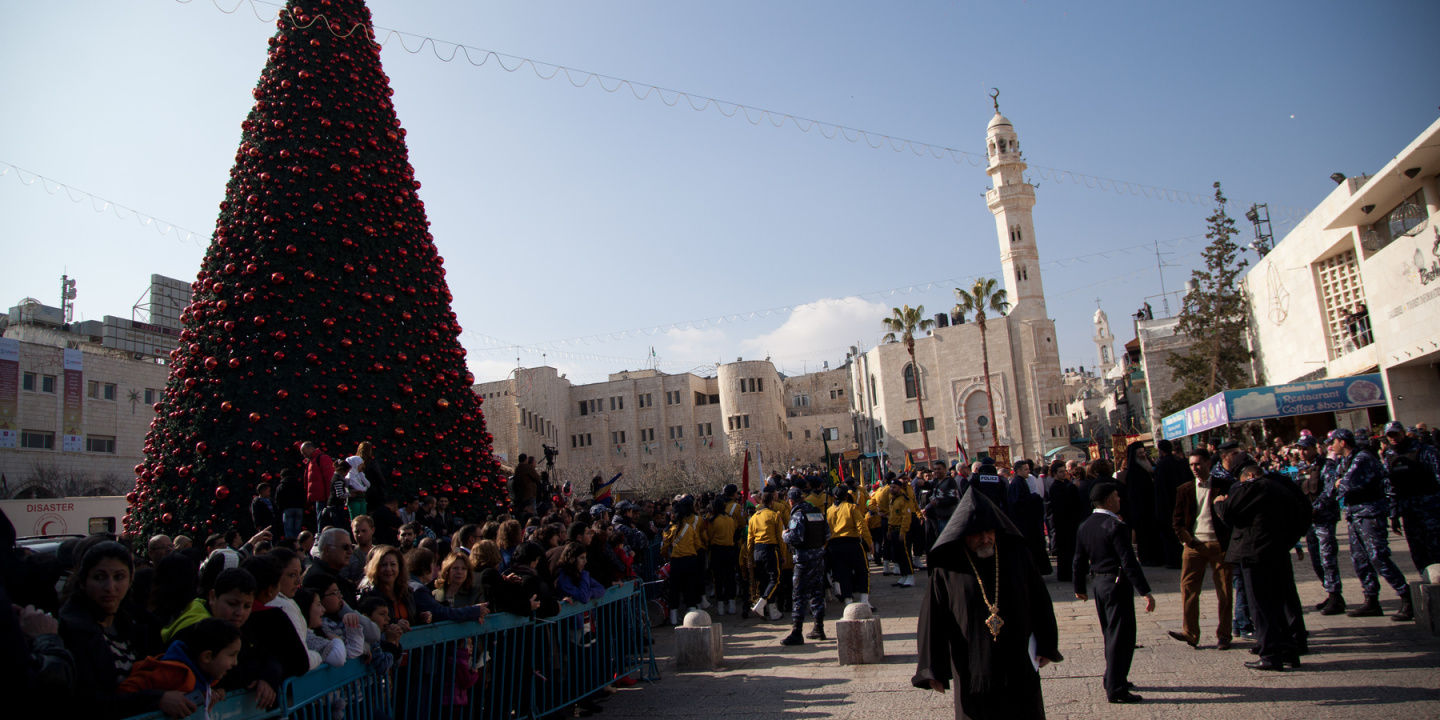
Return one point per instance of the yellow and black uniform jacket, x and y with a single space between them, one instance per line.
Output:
900 506
722 531
881 500
818 500
766 528
736 510
684 539
847 520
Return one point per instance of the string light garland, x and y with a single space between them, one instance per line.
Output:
754 115
494 346
100 205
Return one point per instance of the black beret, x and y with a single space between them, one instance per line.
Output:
1230 445
1100 491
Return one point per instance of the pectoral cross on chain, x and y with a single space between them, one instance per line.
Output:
994 622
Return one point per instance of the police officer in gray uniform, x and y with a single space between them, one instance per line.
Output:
1414 470
1317 482
1361 484
806 536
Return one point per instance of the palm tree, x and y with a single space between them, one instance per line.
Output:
980 299
902 326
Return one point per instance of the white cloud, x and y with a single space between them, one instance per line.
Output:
821 331
702 345
490 370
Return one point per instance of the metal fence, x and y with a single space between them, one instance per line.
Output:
511 667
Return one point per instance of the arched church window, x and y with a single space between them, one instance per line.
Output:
912 381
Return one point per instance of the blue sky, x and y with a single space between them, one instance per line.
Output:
570 217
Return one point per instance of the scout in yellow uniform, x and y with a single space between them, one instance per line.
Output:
763 543
901 507
816 494
876 524
682 544
880 502
849 541
724 556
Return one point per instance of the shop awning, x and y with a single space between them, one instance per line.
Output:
1270 401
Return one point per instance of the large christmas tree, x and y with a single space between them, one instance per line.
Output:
321 310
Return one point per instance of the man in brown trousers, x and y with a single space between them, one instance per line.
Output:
1206 539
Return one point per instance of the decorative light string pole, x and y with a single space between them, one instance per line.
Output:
321 310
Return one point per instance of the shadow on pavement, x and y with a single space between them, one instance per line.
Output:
1322 696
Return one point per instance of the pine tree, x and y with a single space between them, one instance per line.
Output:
1215 317
321 310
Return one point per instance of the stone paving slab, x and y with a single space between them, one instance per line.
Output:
1357 667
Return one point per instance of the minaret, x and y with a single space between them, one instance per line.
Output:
1010 199
1104 343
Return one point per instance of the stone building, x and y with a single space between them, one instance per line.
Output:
1354 288
1158 341
1029 399
818 410
646 422
73 413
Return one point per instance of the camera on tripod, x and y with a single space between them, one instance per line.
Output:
550 454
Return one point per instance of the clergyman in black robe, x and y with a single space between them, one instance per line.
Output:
995 674
1139 508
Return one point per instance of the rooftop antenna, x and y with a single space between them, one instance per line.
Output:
67 297
1160 267
1259 216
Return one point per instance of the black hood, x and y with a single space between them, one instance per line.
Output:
976 513
1133 451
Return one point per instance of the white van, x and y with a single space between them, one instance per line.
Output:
65 516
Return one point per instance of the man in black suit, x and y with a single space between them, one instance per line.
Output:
1267 516
1103 553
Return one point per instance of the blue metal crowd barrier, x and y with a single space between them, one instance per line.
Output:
510 667
649 566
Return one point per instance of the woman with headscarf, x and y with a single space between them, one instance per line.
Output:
985 605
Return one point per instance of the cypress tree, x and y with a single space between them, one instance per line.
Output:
1216 317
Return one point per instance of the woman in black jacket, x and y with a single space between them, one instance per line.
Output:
106 639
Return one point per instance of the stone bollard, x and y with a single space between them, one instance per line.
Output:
699 643
859 636
1426 597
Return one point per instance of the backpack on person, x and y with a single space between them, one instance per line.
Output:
290 494
1410 476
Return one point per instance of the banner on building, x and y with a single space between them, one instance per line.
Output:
1173 426
72 421
9 392
1317 396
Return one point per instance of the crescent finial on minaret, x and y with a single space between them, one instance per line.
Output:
995 97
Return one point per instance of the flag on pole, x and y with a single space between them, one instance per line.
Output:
602 493
908 465
745 473
760 462
960 452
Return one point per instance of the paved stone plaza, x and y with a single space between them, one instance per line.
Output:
1357 668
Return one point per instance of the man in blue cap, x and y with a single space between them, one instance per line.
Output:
1361 484
1414 470
1317 482
806 536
